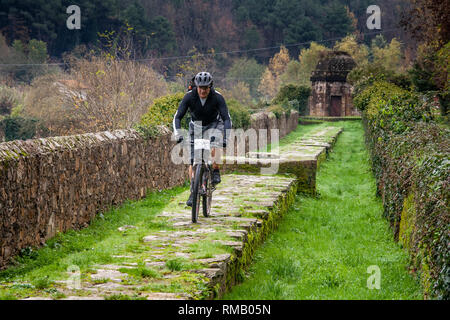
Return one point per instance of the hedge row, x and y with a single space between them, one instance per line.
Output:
410 158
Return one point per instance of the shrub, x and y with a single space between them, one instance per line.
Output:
99 94
261 105
10 99
42 283
297 95
161 112
175 264
21 128
277 110
113 94
140 272
240 116
366 75
292 92
391 108
45 100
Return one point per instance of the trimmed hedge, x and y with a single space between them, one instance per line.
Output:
410 159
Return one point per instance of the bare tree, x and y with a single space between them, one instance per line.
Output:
114 93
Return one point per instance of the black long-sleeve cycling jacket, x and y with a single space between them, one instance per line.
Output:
215 108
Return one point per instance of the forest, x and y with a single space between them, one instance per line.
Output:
174 27
128 53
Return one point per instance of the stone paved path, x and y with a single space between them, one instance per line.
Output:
200 261
191 261
302 158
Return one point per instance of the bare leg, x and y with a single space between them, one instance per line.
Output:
191 180
191 173
213 156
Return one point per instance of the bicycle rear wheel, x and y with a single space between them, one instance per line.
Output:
207 197
196 192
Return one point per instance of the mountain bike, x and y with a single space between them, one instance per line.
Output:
203 186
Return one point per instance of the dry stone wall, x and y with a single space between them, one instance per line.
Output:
60 183
263 122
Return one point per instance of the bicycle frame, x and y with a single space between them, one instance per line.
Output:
202 180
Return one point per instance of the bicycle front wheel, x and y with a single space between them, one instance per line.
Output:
207 197
196 192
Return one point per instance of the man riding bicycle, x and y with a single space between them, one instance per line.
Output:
208 107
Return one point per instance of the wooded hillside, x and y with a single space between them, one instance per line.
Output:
175 27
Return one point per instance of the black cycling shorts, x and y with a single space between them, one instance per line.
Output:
213 131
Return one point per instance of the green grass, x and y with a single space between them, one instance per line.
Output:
209 249
181 264
172 287
36 269
141 272
124 297
324 245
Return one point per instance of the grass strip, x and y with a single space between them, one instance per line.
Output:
332 246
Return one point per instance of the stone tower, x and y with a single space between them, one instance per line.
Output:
331 94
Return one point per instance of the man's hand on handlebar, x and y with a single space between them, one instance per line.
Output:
180 139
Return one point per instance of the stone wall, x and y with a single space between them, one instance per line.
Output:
57 184
60 183
286 123
267 121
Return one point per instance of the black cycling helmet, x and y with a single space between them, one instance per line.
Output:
203 79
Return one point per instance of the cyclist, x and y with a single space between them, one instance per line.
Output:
208 107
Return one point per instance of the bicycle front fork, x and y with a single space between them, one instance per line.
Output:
202 189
